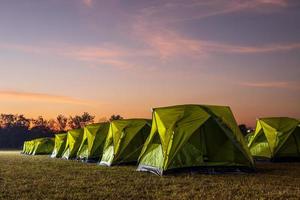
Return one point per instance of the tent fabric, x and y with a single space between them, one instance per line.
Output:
38 146
25 147
93 141
188 136
43 146
74 139
29 147
276 138
125 141
60 145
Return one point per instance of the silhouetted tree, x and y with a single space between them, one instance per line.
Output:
7 120
62 122
39 122
40 126
23 122
80 121
14 130
243 129
53 125
115 117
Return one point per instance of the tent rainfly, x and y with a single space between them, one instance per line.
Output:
276 139
74 139
125 141
29 147
60 145
42 146
24 147
94 137
194 136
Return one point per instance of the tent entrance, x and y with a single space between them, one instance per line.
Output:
291 147
153 157
130 152
84 151
208 146
260 146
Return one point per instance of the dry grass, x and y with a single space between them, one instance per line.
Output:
40 177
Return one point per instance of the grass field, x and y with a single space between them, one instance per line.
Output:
40 177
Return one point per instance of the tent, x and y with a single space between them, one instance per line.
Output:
194 136
74 139
60 145
24 147
249 137
42 146
125 141
276 138
94 137
29 147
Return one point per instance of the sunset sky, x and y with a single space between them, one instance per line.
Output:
126 57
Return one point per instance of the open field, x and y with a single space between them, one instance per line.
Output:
40 177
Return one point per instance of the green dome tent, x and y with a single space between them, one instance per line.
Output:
276 138
42 146
24 147
29 147
94 137
74 139
125 141
188 136
60 145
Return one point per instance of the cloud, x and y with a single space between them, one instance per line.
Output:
42 97
168 44
198 9
153 27
108 54
275 84
88 3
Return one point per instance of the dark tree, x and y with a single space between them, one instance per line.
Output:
87 118
115 117
62 122
14 130
53 125
39 122
243 129
40 128
80 121
23 122
8 120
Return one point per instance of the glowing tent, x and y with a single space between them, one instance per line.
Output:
42 146
189 136
93 141
60 145
74 139
276 138
125 141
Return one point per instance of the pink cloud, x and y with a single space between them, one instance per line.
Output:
93 53
162 44
111 55
199 9
88 3
30 96
276 84
167 44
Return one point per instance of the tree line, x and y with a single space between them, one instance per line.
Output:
15 129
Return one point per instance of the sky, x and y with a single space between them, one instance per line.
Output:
126 57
